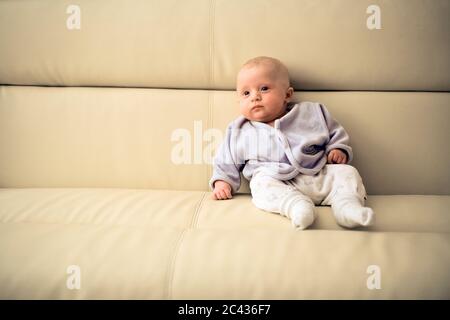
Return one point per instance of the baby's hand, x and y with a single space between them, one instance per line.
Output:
337 156
222 190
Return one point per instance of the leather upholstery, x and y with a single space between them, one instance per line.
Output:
88 127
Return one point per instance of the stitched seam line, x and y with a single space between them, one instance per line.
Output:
209 126
194 220
171 270
211 43
211 72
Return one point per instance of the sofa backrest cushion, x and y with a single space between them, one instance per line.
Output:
165 139
201 44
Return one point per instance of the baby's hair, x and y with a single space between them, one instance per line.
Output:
277 66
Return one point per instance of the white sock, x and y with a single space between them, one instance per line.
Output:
350 213
301 213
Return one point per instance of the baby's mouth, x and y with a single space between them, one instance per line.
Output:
257 107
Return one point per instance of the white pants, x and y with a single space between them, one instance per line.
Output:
334 183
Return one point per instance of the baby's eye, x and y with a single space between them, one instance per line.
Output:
265 88
245 93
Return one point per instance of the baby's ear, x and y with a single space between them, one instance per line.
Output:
289 94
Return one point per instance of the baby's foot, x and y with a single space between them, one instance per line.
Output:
302 215
352 214
367 217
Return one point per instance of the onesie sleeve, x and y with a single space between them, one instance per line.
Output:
339 139
224 164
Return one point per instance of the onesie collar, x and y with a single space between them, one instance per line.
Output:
292 110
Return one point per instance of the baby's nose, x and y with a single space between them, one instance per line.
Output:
256 96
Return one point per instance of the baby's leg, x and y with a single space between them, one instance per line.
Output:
273 195
347 197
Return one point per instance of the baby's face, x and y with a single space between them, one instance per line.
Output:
262 95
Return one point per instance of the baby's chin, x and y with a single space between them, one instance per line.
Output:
259 119
261 115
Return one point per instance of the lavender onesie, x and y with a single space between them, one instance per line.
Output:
299 142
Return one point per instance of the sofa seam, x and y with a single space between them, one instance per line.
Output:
211 43
171 270
211 110
211 73
209 126
194 220
81 224
227 228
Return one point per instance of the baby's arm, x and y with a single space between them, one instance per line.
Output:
339 139
226 178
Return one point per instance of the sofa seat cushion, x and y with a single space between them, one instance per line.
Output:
401 213
160 244
187 209
106 207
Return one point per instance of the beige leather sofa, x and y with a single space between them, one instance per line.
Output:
110 111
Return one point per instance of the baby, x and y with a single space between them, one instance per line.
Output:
295 155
